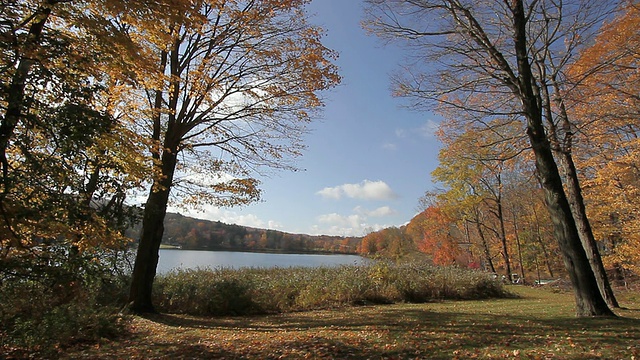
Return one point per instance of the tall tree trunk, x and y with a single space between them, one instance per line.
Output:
467 237
589 301
563 151
485 246
547 260
144 270
503 241
518 245
576 202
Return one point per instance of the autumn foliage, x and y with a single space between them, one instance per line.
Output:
564 87
606 106
100 100
437 238
196 234
190 101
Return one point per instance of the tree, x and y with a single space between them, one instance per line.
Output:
489 189
473 165
499 48
393 243
560 131
437 238
241 78
67 158
605 104
370 243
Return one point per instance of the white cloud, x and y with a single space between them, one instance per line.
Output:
344 225
389 146
338 230
379 212
401 133
213 213
274 225
250 220
426 130
353 221
355 224
366 190
331 193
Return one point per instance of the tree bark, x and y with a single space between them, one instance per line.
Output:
518 246
485 246
16 90
576 202
503 240
547 259
144 271
574 192
589 301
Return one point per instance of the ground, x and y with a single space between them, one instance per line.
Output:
538 325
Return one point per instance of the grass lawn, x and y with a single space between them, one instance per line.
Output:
538 325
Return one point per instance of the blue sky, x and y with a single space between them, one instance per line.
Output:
368 160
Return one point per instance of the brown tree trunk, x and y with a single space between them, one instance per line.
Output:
574 194
547 260
144 270
485 246
503 241
518 247
15 91
576 202
589 301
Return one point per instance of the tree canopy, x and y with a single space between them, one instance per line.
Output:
486 69
233 93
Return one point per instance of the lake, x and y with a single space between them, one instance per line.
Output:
191 259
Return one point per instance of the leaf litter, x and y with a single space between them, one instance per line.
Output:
512 328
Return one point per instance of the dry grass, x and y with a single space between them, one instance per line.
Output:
539 325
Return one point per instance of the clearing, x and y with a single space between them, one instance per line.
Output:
538 325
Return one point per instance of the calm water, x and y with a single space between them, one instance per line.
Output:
189 259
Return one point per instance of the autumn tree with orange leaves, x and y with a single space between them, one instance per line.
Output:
606 107
438 238
475 165
513 53
232 92
68 157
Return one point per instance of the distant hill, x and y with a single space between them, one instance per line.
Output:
197 234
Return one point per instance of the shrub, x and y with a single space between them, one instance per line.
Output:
54 300
201 292
259 291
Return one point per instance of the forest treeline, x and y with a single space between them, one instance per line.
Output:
532 252
197 234
538 171
191 102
